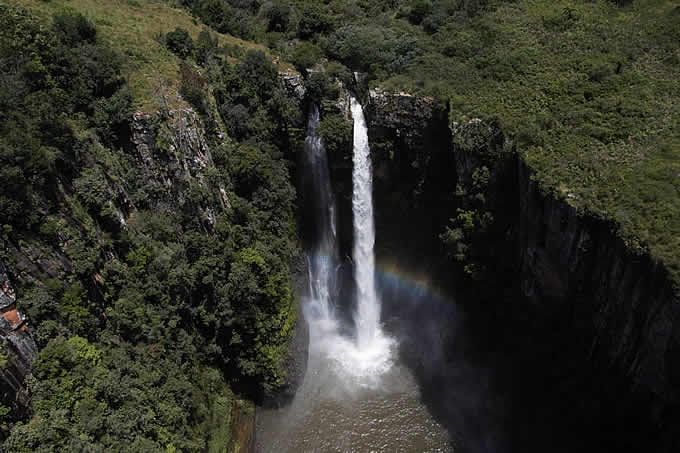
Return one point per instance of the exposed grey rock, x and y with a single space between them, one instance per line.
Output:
175 155
7 296
18 344
406 133
294 84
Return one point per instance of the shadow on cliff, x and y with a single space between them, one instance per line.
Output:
501 385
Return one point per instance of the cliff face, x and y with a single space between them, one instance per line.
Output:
576 272
174 159
174 156
177 159
574 267
19 349
414 170
568 268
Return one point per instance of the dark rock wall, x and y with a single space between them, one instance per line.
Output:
414 172
574 269
571 270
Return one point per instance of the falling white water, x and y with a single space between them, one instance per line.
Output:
367 315
361 361
321 263
356 396
370 339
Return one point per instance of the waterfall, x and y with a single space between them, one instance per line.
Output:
321 263
367 316
361 361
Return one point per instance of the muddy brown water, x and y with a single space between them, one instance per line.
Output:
333 414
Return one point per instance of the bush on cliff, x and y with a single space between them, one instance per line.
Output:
337 134
179 42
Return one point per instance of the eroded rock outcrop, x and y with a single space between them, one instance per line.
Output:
294 84
175 155
414 170
19 349
408 117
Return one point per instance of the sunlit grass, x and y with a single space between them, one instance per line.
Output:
131 26
590 94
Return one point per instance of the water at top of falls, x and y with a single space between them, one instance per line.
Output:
370 338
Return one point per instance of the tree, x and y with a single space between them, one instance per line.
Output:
418 12
305 55
74 28
314 19
278 15
206 47
179 42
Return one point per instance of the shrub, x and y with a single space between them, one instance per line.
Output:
179 42
418 12
207 47
305 55
314 19
92 188
321 86
336 133
112 115
369 48
74 28
278 15
192 86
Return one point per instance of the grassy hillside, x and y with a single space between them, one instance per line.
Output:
133 27
590 94
586 90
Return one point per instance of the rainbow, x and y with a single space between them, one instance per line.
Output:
418 284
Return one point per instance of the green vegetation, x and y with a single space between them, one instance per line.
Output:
586 90
153 295
156 295
465 237
336 132
137 30
122 399
179 42
588 93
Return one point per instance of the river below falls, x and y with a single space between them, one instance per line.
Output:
367 403
457 381
330 414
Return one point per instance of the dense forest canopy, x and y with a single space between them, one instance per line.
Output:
144 325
